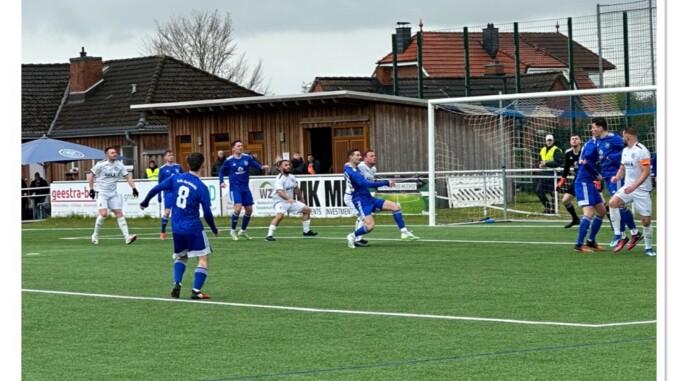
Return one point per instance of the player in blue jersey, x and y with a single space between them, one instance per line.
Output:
188 234
169 169
365 203
237 166
610 147
588 198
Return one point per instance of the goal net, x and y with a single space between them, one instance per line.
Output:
485 150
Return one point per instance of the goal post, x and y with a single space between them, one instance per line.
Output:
501 134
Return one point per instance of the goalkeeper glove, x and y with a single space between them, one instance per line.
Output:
597 184
92 194
135 192
561 182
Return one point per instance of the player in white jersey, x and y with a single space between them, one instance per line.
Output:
107 172
286 188
636 171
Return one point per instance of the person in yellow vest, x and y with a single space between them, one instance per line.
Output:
152 172
550 157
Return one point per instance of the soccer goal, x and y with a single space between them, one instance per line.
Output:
484 150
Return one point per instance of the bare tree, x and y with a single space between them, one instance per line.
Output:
204 40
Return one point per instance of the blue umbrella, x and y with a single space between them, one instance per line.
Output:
46 150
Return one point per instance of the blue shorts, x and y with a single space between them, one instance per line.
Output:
613 187
167 199
243 198
368 206
191 244
587 194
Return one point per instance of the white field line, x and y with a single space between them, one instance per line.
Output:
346 312
154 237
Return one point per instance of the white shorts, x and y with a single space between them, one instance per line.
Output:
642 200
112 201
348 201
285 207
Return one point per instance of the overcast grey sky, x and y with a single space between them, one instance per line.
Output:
297 40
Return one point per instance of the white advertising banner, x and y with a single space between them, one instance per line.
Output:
323 194
72 198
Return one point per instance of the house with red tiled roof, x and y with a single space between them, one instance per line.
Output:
542 66
87 101
443 55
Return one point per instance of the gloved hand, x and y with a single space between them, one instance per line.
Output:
597 184
135 192
92 194
561 182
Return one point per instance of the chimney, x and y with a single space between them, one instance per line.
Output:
491 40
403 35
494 69
85 72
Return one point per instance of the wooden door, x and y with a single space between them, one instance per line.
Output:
344 138
184 147
256 151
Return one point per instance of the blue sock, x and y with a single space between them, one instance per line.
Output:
583 228
595 227
361 231
199 278
234 221
245 221
163 224
398 217
627 218
179 269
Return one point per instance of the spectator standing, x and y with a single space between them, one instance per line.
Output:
24 200
221 156
274 168
38 194
152 171
298 165
313 165
253 170
550 156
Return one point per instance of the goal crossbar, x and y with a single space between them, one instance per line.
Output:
432 103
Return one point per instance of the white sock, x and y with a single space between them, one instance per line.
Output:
271 229
306 225
647 234
615 218
123 226
97 225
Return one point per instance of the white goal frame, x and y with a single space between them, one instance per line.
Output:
432 103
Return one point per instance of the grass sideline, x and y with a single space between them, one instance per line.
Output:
474 302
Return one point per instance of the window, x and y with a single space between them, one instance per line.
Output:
350 131
221 138
256 136
128 153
